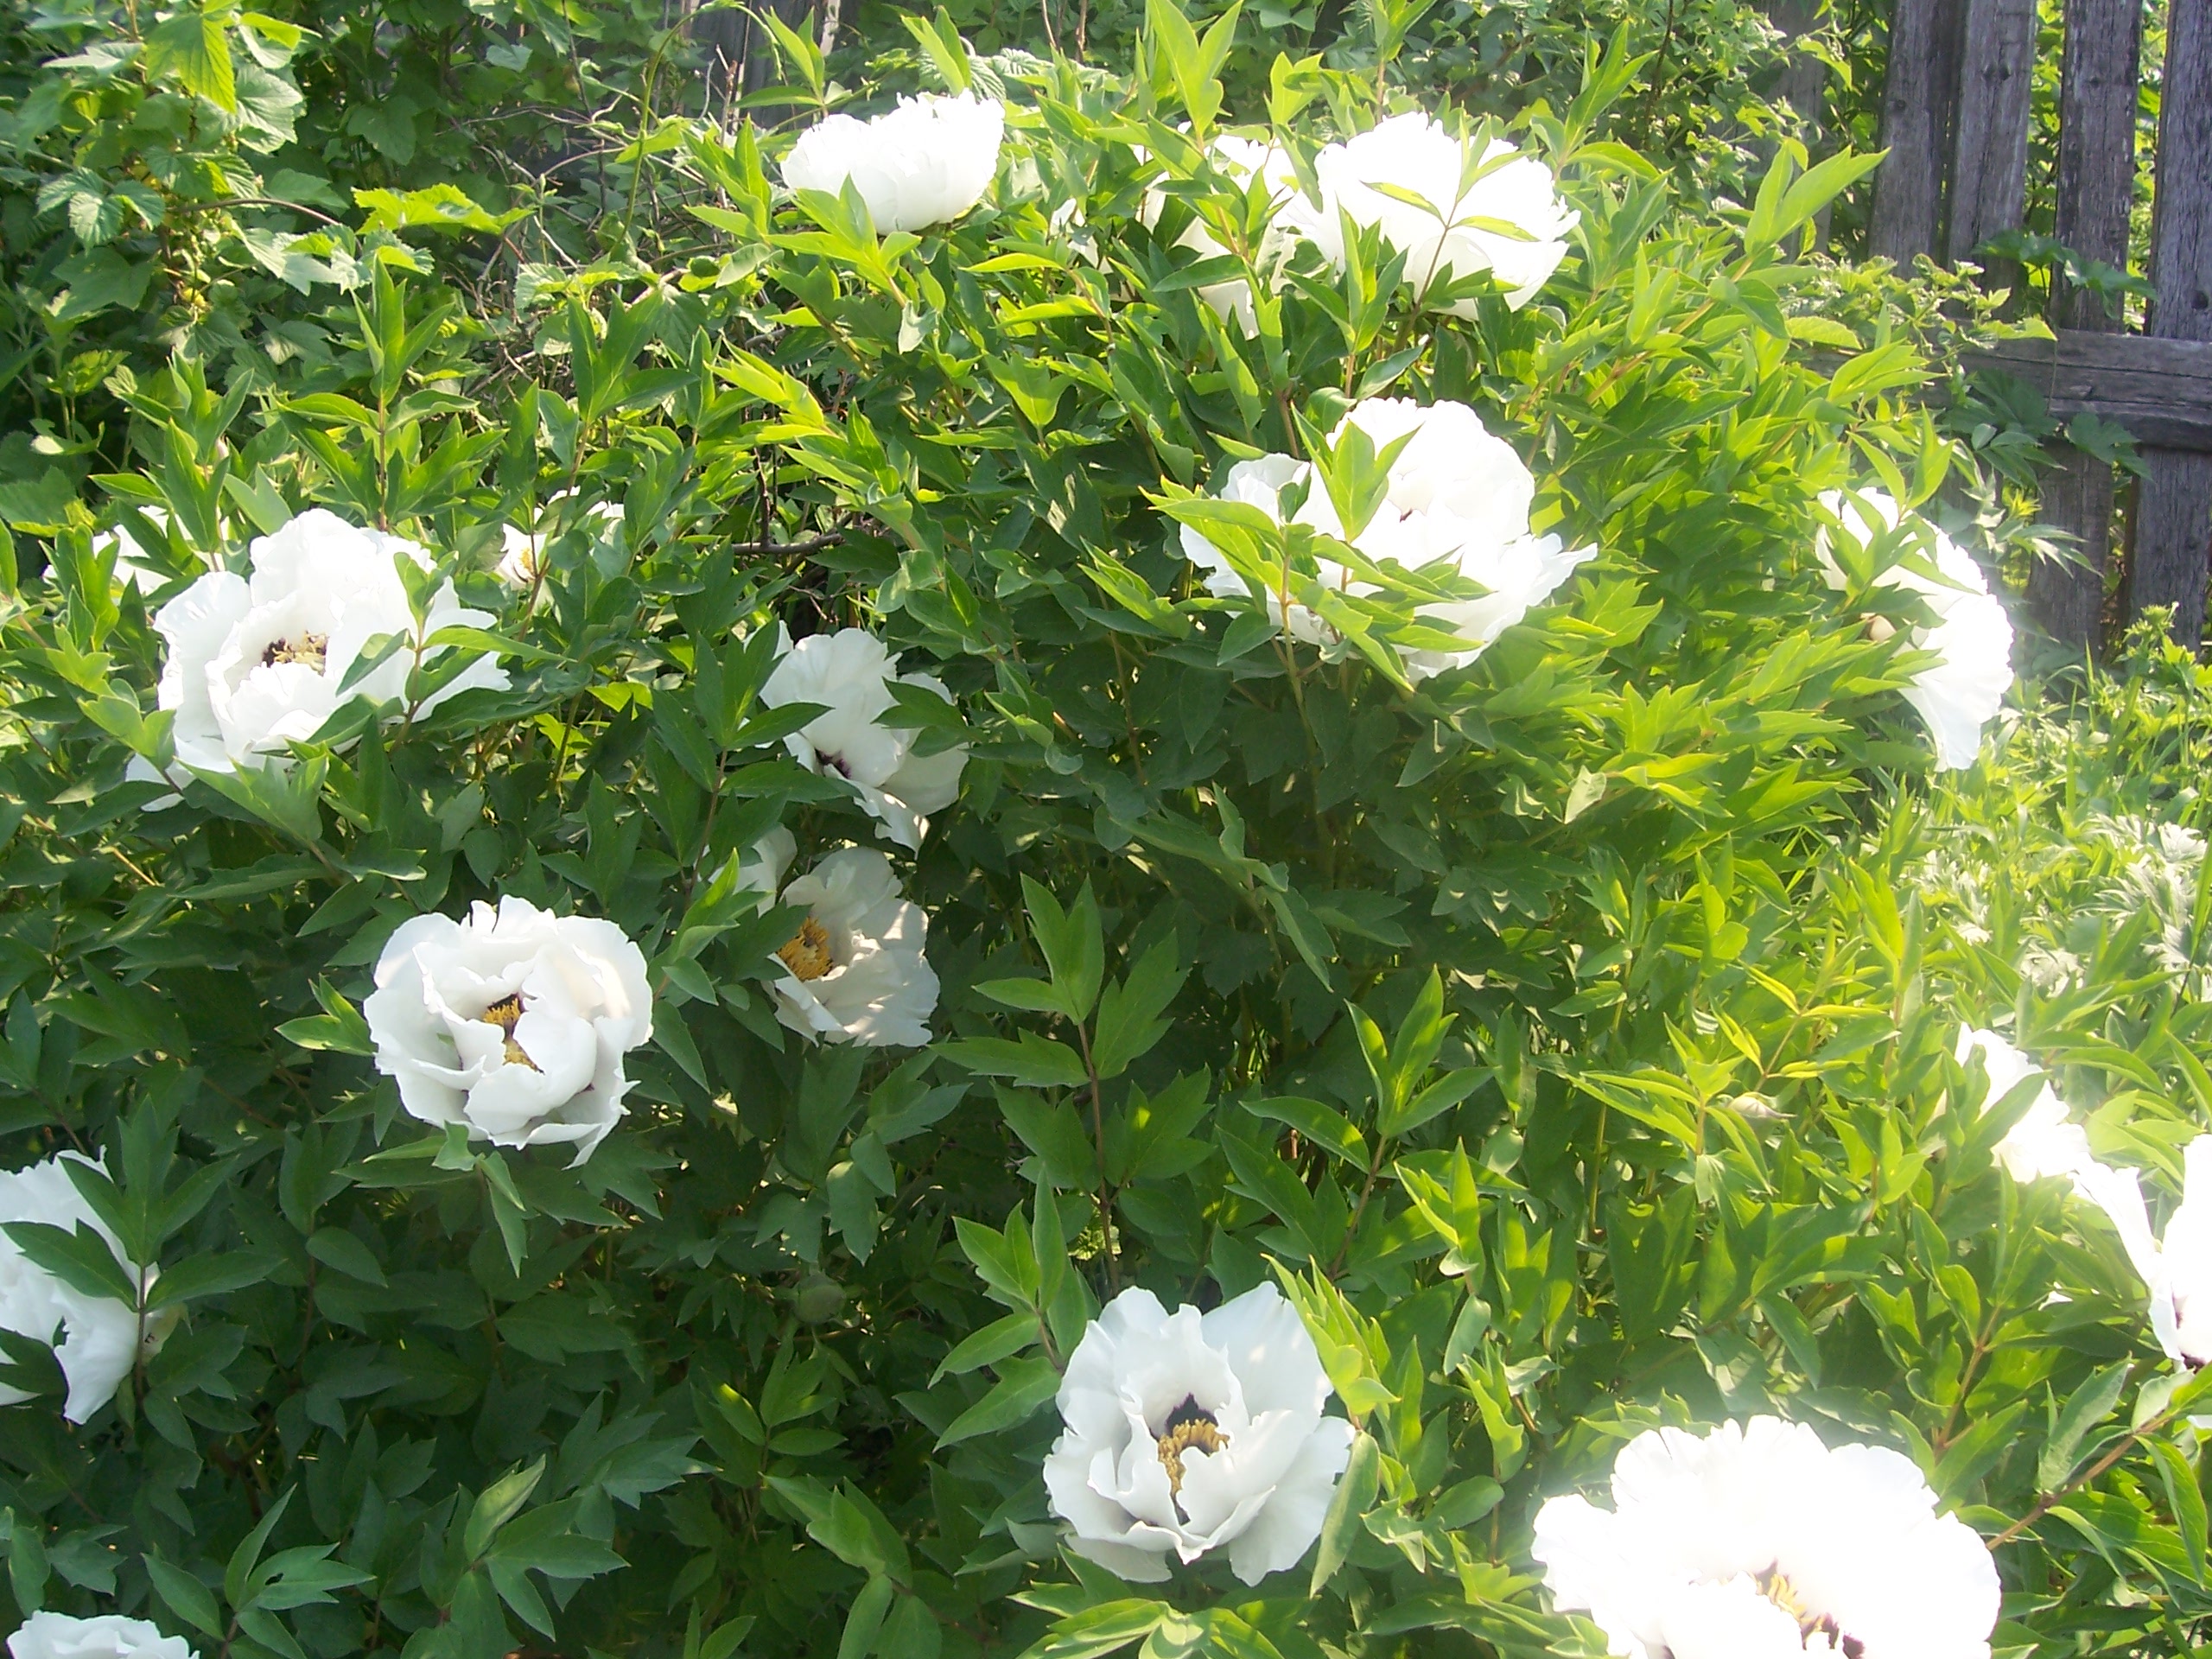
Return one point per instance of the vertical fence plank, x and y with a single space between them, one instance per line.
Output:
2173 517
2096 186
1919 109
1989 173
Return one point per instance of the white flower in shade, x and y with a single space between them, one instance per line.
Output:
135 565
1458 495
2177 1269
512 1024
1972 636
1240 161
522 551
850 673
856 971
98 1337
926 162
255 664
1189 1431
1507 219
1757 1541
109 1635
2043 1141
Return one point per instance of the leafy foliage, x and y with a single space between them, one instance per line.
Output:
1570 1037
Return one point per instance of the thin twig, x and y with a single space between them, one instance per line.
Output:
805 544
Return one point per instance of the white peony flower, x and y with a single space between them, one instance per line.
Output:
256 665
522 550
99 1336
926 163
850 673
1756 1541
108 1635
1972 636
1240 160
1457 494
856 971
1508 220
2177 1269
513 1024
2043 1141
1187 1431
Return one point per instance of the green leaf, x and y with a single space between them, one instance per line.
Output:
193 46
498 1504
210 1275
998 1340
865 1621
1106 1628
1033 1062
1023 1385
1347 1510
82 1260
2186 1499
185 1596
2089 1405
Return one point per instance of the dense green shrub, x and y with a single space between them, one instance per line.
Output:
1559 1008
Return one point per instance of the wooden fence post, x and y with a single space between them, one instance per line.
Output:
1920 100
2173 517
2096 187
1989 171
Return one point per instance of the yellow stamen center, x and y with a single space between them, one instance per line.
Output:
808 954
1189 1427
313 649
505 1014
1778 1589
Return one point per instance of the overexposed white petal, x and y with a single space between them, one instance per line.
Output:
1757 1538
1188 1432
1459 497
857 970
256 663
2043 1140
97 1339
926 162
51 1634
1972 636
1506 219
850 673
512 1024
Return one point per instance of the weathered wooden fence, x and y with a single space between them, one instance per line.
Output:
1955 117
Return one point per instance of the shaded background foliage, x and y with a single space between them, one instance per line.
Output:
1660 925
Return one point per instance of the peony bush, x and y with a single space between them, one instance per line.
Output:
1072 871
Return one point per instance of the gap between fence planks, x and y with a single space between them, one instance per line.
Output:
2173 512
2098 72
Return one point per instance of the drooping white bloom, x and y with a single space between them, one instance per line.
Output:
1508 220
856 971
851 672
1188 1431
254 664
2043 1141
1757 1541
1241 160
2176 1269
926 162
98 1336
1972 636
108 1635
1457 494
512 1024
522 551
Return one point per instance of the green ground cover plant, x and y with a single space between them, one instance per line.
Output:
1048 880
